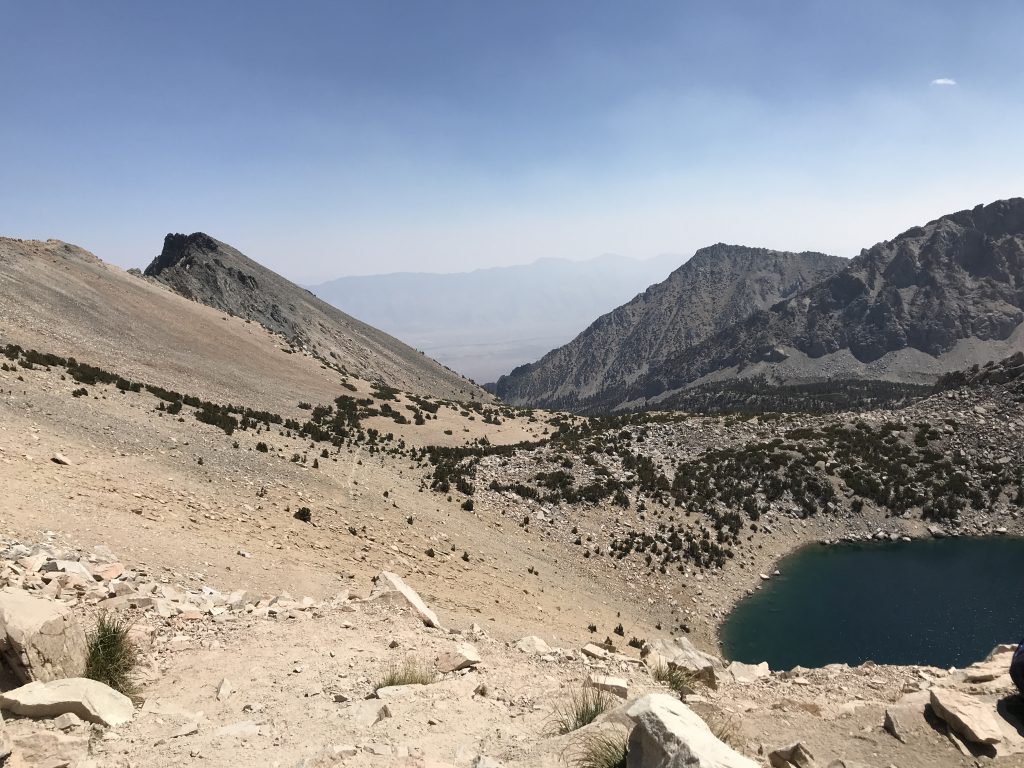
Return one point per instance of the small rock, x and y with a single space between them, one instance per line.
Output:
389 586
89 699
246 729
968 717
67 721
463 657
223 690
794 756
186 730
894 727
616 686
533 644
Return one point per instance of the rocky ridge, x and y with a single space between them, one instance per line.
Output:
213 273
717 287
934 299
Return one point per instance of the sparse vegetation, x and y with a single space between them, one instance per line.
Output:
581 707
605 749
409 671
112 654
681 681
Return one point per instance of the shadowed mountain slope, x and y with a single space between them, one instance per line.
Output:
213 273
936 298
717 287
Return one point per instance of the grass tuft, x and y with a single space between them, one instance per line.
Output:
600 750
681 681
411 671
112 655
581 708
725 731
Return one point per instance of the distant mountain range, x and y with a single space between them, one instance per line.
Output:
213 273
486 322
934 299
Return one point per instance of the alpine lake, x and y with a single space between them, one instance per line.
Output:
938 602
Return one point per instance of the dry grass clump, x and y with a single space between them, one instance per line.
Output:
112 655
581 707
600 750
411 671
681 681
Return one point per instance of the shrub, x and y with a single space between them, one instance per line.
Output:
411 671
112 654
581 708
468 505
262 447
600 750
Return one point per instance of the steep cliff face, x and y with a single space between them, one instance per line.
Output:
902 307
719 286
933 299
210 272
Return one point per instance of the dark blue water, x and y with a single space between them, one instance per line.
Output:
944 602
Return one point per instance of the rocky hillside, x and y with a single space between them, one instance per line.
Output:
1007 373
934 299
265 477
718 287
228 677
213 273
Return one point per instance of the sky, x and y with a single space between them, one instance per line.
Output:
367 136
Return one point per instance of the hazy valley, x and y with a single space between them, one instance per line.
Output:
486 322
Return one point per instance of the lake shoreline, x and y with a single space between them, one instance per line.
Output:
801 547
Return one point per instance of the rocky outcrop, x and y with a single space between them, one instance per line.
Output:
88 699
390 587
213 273
719 286
6 747
464 656
669 734
958 280
1008 372
39 639
970 719
791 756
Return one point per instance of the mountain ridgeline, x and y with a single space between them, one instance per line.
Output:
937 298
719 286
213 273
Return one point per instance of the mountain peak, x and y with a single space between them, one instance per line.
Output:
178 247
204 269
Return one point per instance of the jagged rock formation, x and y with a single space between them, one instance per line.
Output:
213 273
1008 372
719 286
934 299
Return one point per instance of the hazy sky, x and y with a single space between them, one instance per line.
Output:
332 138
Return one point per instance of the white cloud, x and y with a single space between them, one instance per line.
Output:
944 81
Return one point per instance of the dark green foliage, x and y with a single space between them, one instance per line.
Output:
112 654
218 418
